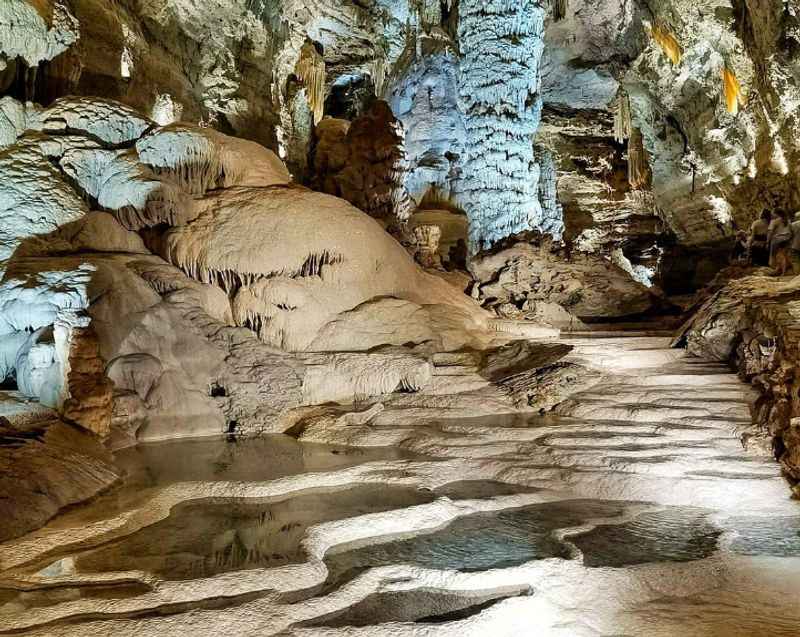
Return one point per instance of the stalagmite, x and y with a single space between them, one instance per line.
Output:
502 44
310 68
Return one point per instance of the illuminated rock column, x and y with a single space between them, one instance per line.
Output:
501 43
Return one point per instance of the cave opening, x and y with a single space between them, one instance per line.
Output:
350 97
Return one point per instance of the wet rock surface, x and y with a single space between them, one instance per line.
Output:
447 465
503 518
45 466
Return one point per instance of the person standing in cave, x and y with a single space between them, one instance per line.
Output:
780 237
739 254
757 247
794 248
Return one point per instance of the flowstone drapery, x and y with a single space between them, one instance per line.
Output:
502 43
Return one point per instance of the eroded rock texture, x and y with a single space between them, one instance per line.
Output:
753 323
168 273
171 281
502 45
364 162
518 280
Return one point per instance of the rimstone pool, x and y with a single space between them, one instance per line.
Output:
642 527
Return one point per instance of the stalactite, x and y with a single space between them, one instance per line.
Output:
560 8
378 73
552 210
502 44
429 13
667 41
639 173
734 99
622 118
310 68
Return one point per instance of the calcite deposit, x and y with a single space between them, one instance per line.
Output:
399 317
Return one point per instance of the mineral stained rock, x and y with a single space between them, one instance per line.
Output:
752 323
166 273
45 464
364 162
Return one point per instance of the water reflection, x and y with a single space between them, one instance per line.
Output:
672 535
148 467
774 536
245 459
207 537
478 542
18 601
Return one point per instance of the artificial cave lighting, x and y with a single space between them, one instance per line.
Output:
407 317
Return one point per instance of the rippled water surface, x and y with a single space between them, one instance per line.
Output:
479 542
773 536
671 535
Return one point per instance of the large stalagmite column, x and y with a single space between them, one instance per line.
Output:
501 43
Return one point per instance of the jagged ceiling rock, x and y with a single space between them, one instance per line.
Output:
35 30
586 52
704 146
713 103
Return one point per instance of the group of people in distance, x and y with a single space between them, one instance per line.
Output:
774 241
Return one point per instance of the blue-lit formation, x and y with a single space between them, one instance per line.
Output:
499 93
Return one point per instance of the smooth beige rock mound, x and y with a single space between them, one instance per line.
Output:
294 259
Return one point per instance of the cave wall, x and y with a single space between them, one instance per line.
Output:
624 89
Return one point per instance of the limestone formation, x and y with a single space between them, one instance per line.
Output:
47 465
586 286
324 318
752 323
364 162
499 94
303 271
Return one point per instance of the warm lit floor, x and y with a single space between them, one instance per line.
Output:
635 510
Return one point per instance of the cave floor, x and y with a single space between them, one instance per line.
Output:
633 509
